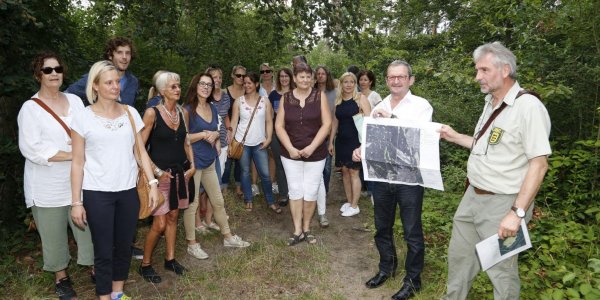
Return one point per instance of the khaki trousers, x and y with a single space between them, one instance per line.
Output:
477 218
208 179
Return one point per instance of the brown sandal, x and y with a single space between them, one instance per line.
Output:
248 206
275 208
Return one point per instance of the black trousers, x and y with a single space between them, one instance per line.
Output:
409 199
112 218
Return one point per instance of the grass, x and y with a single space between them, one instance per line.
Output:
335 268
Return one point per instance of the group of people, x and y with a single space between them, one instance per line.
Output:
81 170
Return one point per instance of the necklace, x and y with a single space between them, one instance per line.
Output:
174 120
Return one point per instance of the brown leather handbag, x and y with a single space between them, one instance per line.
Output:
143 188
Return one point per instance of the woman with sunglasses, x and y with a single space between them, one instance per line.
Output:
285 83
347 104
252 119
234 91
104 171
204 136
303 123
46 146
165 131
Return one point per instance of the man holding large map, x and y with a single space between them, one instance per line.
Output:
402 104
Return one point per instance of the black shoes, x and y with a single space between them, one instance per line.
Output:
64 289
377 280
407 291
149 274
137 253
173 266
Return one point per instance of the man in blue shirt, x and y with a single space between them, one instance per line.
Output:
119 50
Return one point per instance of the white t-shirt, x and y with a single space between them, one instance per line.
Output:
410 108
257 133
110 164
45 184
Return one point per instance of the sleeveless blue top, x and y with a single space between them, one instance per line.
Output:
204 153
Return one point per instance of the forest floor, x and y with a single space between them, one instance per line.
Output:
336 267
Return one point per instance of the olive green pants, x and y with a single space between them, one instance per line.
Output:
52 224
477 218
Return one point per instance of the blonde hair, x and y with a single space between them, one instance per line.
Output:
96 71
153 92
355 94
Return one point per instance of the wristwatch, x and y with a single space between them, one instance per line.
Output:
519 211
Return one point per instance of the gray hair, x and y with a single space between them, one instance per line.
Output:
400 62
96 71
502 56
163 78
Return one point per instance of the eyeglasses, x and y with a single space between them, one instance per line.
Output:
48 70
240 75
265 71
205 85
397 78
175 87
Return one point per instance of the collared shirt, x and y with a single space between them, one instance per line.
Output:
45 183
500 158
411 107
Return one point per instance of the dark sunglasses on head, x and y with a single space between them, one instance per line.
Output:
48 70
265 71
240 75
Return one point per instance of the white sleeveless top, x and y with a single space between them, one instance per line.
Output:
257 133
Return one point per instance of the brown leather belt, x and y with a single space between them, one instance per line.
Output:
479 191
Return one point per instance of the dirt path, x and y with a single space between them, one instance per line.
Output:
336 268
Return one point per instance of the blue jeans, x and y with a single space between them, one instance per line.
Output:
327 172
261 160
409 198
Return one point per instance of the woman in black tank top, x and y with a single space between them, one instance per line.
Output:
165 132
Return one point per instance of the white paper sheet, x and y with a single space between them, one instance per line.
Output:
400 151
493 250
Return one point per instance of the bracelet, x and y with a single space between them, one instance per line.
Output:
77 203
153 181
229 128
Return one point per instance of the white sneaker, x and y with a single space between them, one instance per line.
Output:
344 207
235 241
212 226
351 211
197 252
202 229
255 190
275 188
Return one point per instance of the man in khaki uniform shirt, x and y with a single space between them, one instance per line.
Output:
505 169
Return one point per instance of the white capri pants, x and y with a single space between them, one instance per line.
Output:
303 178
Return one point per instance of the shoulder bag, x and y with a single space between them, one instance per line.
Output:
142 186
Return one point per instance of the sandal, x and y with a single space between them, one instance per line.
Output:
248 206
311 239
296 239
276 209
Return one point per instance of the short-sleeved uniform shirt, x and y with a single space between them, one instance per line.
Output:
499 160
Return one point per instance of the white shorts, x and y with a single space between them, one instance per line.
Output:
303 178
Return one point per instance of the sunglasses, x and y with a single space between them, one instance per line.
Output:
48 70
240 75
265 71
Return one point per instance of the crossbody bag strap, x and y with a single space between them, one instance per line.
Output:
136 150
53 114
250 122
